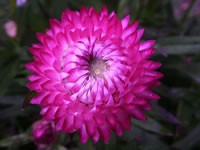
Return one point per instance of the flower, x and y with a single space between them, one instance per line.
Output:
181 6
43 133
92 74
11 28
20 2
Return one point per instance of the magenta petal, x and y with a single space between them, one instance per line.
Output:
104 131
78 122
40 37
35 85
30 66
91 127
49 115
38 98
111 119
146 45
48 99
68 123
47 58
124 120
59 99
48 85
49 42
33 77
53 75
130 29
104 11
55 26
83 134
61 112
125 21
137 113
59 123
155 65
147 107
139 34
95 138
148 94
62 41
99 118
118 129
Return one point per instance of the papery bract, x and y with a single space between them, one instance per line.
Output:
92 74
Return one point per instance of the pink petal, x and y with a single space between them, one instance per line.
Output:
55 26
125 21
137 113
118 129
139 35
59 123
91 127
38 98
78 122
68 123
83 134
104 131
49 114
124 120
148 94
53 75
111 119
47 58
95 138
146 45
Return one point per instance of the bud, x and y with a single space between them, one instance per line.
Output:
43 133
20 2
11 28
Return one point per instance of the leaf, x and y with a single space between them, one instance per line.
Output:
12 6
121 8
58 147
190 140
179 40
174 77
9 141
182 49
151 125
163 114
181 45
193 70
87 146
11 100
27 99
7 74
144 140
10 112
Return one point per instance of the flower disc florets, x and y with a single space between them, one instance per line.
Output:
92 74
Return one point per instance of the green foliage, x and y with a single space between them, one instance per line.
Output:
173 124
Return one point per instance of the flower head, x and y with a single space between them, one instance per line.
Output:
43 133
11 28
92 74
20 2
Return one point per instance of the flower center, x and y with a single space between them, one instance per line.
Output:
97 67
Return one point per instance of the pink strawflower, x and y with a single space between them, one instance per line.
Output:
92 74
43 133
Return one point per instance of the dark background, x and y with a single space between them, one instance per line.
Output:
174 122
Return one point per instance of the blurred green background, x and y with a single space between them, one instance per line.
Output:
174 122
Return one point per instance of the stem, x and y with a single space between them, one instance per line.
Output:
187 12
